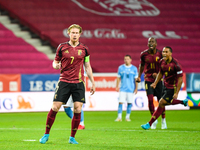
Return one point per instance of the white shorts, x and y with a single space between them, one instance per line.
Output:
69 103
126 97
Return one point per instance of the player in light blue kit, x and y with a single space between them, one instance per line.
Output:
127 73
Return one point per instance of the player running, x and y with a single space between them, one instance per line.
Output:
149 61
173 79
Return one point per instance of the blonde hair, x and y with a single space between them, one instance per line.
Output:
74 26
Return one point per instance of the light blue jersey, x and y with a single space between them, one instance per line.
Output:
127 75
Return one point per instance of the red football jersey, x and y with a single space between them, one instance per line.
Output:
72 59
171 72
151 62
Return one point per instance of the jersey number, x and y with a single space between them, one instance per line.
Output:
72 57
152 66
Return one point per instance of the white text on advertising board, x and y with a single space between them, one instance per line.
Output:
103 33
38 85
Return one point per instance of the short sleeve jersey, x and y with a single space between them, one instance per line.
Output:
127 75
151 63
171 72
72 59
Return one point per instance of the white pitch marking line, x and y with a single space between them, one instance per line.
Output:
29 140
105 129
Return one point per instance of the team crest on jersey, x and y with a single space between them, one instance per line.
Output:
157 58
79 52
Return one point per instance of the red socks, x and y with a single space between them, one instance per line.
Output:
176 101
163 113
151 106
50 120
75 123
156 114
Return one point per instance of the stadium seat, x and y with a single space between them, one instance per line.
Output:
110 37
17 56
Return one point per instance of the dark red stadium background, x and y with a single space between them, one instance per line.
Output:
112 29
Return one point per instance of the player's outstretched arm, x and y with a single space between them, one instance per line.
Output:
89 73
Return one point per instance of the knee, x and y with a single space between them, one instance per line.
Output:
77 107
55 108
77 110
162 103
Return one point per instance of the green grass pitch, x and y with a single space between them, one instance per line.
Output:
22 131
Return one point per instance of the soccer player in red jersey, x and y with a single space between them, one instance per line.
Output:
70 58
173 79
149 62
